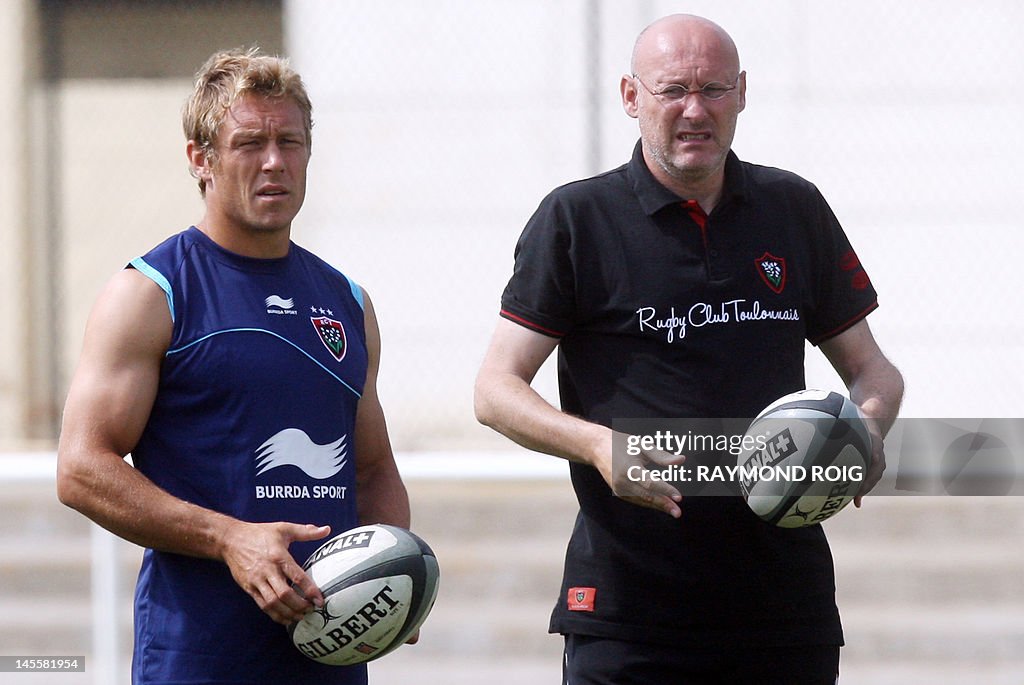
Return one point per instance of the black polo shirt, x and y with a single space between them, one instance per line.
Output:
663 312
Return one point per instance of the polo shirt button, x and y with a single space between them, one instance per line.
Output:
713 253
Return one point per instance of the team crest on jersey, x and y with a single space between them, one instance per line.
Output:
332 335
772 270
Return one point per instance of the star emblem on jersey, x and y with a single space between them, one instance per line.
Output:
332 335
772 270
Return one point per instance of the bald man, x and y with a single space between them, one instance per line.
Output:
683 285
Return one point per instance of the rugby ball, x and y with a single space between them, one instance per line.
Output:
808 457
379 583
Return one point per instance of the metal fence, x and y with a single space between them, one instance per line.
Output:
440 125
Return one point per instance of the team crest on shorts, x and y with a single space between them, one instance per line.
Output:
772 270
332 335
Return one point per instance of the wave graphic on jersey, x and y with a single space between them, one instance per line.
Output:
278 301
292 447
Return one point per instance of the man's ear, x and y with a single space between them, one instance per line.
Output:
199 161
742 83
627 87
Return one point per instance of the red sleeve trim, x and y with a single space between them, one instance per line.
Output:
529 324
839 329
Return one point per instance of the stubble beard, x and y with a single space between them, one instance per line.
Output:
684 173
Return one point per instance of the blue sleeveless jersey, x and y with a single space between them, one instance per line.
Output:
255 418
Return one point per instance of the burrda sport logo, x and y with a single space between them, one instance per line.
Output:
293 447
280 305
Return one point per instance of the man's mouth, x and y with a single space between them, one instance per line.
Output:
272 191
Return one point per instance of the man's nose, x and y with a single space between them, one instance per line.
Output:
273 159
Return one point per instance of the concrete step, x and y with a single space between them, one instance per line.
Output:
46 625
530 524
921 581
953 569
31 509
488 628
917 519
929 574
410 664
956 633
58 568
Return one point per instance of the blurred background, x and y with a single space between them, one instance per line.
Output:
439 125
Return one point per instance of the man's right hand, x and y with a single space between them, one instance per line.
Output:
623 472
258 557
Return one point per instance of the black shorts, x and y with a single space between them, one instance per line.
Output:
602 661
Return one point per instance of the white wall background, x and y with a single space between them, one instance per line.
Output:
441 125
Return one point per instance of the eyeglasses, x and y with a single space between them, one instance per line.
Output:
677 92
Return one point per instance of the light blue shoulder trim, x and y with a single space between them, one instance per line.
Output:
140 265
357 292
276 335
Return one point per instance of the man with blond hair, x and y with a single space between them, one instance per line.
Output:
683 285
239 371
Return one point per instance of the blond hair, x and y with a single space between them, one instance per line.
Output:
227 76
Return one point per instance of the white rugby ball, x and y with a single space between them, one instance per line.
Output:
379 583
811 452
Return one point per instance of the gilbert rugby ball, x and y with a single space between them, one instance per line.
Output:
379 583
810 456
